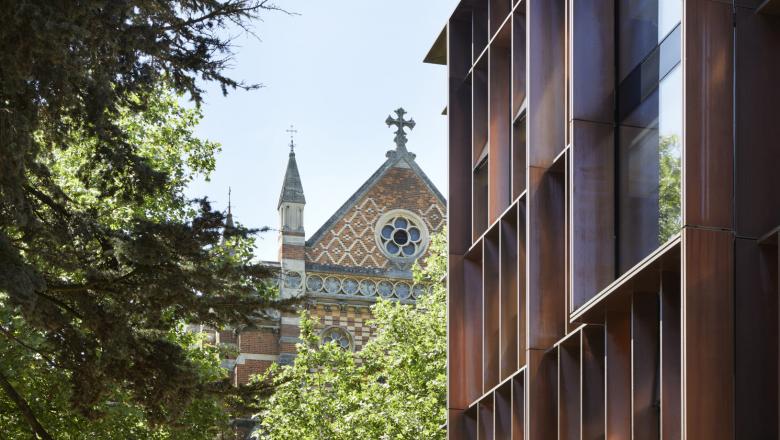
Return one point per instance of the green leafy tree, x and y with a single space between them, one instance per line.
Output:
48 393
394 388
137 374
101 256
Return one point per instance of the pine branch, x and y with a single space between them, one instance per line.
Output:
38 430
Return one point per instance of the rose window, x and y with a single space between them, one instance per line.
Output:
401 235
338 336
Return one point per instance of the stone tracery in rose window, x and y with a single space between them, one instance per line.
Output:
401 236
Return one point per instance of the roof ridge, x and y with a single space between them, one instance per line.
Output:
393 157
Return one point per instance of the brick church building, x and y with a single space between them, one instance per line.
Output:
365 250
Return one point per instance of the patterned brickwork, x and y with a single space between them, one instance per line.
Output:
350 241
353 319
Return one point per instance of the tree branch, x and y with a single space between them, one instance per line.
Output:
9 335
38 430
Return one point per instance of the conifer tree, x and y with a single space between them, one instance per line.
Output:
101 255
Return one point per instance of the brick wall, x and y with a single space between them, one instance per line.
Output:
350 241
249 368
260 341
353 319
227 337
292 251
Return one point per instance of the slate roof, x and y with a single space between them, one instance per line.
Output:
292 189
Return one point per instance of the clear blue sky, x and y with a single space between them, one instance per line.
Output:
335 71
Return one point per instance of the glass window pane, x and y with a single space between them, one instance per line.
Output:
649 134
670 155
669 15
387 231
401 237
392 248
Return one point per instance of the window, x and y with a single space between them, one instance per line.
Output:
293 280
338 336
649 136
401 235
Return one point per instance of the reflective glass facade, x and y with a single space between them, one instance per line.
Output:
649 134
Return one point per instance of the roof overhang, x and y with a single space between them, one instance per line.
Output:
438 52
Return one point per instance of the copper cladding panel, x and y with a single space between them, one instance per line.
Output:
503 411
593 60
509 297
707 111
472 317
618 372
645 368
671 338
491 313
499 128
459 137
457 425
569 386
756 332
593 210
545 297
518 408
457 397
542 389
546 81
708 341
592 372
757 123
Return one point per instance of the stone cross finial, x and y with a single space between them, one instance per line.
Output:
401 123
292 132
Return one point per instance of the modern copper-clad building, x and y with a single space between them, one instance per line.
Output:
614 199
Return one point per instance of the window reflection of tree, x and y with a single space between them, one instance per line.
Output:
669 187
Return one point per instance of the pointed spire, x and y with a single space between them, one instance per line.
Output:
292 189
229 217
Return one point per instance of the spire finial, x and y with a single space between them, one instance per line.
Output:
229 216
400 123
292 132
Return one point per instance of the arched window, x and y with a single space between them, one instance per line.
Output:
338 336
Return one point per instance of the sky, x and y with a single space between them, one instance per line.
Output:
335 71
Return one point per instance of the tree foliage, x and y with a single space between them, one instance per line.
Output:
394 388
101 255
48 392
